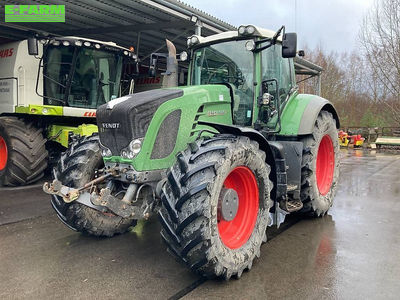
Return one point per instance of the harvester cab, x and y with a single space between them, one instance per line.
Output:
50 90
78 72
220 159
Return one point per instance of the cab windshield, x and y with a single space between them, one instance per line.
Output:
228 63
80 77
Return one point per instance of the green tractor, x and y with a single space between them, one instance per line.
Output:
219 160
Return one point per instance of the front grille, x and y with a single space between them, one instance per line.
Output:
166 136
124 119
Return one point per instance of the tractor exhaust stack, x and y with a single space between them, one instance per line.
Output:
170 78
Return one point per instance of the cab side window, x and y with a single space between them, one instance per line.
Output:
274 66
285 81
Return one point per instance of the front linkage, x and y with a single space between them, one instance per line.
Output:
101 199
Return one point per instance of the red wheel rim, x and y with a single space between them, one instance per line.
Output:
325 165
237 232
3 153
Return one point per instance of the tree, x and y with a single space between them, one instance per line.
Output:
380 41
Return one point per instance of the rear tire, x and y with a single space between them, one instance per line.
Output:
76 167
320 166
23 154
191 215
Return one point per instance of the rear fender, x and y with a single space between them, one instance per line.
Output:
300 114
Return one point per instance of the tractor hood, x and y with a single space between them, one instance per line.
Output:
124 119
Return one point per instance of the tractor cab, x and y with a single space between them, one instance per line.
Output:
256 64
79 72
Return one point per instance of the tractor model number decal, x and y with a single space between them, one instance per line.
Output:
6 52
89 114
110 125
213 113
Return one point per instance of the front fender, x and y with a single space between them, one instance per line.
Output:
253 135
300 114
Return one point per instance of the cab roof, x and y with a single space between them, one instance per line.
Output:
75 38
229 35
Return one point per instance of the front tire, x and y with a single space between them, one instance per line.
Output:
212 238
77 167
23 154
320 166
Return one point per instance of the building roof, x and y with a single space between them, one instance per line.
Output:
124 22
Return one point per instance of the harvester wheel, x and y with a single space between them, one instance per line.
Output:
76 167
215 205
23 154
320 166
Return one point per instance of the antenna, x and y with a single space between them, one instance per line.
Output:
295 15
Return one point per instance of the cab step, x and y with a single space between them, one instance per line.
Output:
291 205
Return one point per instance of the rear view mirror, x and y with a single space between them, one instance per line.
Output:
153 67
289 45
33 46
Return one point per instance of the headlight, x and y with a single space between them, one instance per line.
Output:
194 40
250 45
133 149
246 30
135 146
250 29
183 56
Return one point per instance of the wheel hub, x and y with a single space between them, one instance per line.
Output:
228 204
241 214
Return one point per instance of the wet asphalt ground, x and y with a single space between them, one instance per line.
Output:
352 253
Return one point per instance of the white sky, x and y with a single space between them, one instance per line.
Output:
333 24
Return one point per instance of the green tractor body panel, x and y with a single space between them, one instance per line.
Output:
210 103
293 113
301 111
61 133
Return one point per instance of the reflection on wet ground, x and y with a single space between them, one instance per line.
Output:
352 253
